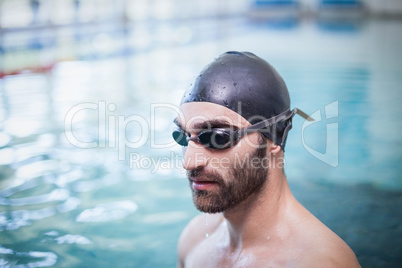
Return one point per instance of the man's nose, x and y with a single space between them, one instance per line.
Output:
194 156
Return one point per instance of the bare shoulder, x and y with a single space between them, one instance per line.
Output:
314 244
338 254
330 250
195 232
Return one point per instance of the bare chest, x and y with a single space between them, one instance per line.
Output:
213 252
215 256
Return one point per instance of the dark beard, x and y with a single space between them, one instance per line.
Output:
244 180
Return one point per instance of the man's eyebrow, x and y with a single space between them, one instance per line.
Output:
176 121
214 123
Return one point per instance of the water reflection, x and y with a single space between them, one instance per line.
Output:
19 218
107 212
32 258
53 194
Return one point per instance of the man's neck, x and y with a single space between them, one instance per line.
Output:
255 219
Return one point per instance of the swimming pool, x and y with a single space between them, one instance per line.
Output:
74 195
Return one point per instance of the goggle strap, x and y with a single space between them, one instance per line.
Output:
266 123
285 132
303 114
273 120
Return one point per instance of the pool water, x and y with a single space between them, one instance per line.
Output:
73 194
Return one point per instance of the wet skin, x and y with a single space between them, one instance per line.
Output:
268 228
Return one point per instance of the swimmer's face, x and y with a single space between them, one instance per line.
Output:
221 179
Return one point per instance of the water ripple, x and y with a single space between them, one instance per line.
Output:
46 258
73 239
55 195
19 218
94 184
71 204
108 212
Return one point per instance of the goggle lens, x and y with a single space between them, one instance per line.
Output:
180 137
214 139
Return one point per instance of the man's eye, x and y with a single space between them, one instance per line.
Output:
180 137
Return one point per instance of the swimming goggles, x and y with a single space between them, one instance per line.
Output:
223 138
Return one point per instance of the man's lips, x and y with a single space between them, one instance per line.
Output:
199 184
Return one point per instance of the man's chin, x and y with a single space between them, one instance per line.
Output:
209 209
207 204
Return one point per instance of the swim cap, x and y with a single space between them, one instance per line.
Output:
251 87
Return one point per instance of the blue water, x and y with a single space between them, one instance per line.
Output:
88 200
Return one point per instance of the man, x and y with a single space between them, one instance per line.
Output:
233 128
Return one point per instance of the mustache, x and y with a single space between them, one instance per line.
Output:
202 175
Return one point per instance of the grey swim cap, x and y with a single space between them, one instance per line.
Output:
251 87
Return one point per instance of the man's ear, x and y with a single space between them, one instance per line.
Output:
275 148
